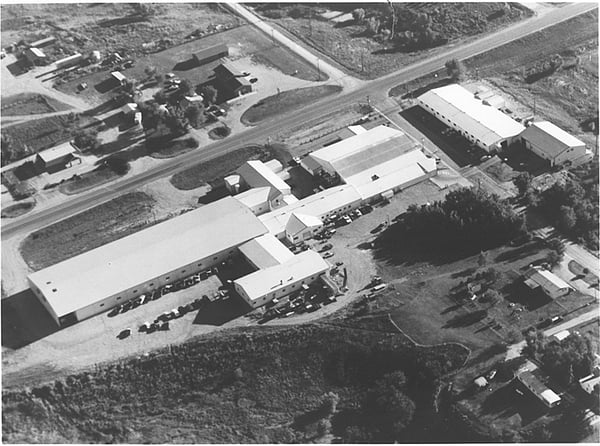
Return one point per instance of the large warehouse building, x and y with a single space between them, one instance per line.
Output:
483 125
552 143
376 162
97 280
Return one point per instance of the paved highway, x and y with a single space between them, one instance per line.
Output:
375 89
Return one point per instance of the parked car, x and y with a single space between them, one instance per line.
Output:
124 333
253 80
164 326
144 326
116 310
169 75
326 247
327 255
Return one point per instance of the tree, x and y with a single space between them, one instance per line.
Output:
455 69
195 115
491 296
483 259
323 427
329 404
523 183
567 219
175 125
160 97
150 71
358 15
117 164
7 148
558 250
86 139
185 87
553 258
129 86
372 26
209 93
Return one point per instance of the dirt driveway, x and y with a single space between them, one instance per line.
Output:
29 83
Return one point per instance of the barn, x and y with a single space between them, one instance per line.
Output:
552 143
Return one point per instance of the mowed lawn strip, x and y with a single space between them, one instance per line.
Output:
212 171
88 230
285 101
16 210
31 104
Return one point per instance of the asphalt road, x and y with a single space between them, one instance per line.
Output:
375 89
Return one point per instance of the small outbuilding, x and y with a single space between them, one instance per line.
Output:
552 143
35 56
480 382
43 42
119 77
69 61
211 54
55 158
192 100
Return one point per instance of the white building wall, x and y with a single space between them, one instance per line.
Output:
282 292
143 288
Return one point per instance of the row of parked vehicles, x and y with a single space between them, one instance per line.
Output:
159 292
301 303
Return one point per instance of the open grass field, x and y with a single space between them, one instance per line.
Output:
285 101
30 104
87 230
262 385
212 171
332 30
16 210
88 180
429 301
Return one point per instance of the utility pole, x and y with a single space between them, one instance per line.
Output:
362 60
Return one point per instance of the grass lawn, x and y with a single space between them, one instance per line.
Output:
88 181
16 210
31 104
285 101
170 148
88 230
588 276
220 132
212 171
428 302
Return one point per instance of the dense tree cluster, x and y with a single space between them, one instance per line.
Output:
469 220
386 411
86 139
573 210
565 361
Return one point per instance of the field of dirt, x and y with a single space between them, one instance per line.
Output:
129 29
333 31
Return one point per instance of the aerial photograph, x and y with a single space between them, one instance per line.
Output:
329 223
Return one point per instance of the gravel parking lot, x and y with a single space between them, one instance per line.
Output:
95 340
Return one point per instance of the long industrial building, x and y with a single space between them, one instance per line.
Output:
99 279
483 125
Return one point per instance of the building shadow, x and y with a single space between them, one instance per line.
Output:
186 65
106 85
16 68
222 311
216 193
25 320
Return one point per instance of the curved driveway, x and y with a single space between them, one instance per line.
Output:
272 127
